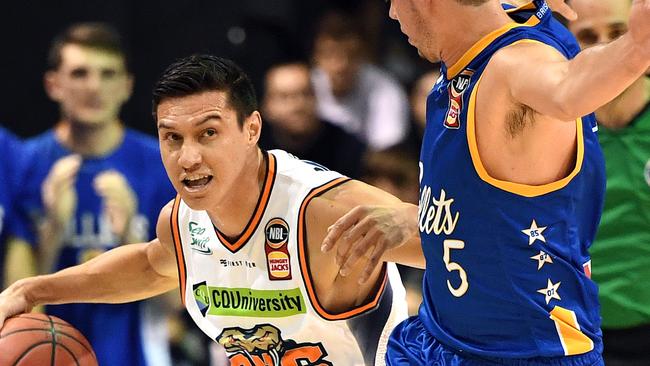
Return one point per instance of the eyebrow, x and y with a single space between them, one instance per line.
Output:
211 116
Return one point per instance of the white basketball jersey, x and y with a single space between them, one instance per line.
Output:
255 296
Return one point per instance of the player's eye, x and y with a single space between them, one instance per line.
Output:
210 132
172 136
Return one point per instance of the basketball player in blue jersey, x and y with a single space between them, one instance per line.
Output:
511 183
243 238
15 258
93 185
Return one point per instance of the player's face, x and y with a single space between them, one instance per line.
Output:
600 21
203 148
409 15
90 85
289 101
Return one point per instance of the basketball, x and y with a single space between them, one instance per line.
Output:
43 340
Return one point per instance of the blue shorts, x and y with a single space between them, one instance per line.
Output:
410 344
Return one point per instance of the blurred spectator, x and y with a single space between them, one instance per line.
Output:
358 96
93 185
396 171
16 261
621 251
289 107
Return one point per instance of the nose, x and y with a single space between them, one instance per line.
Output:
93 81
189 157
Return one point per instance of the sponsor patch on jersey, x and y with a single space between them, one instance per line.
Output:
263 345
278 260
199 238
456 89
246 302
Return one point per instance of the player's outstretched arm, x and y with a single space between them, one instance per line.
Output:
375 227
127 273
538 76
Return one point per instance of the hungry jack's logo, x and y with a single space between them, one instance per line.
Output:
456 89
263 345
277 253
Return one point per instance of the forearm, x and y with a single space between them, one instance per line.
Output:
121 275
598 75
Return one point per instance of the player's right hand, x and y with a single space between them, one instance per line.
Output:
58 191
13 301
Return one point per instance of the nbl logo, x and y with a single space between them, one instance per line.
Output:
276 249
456 89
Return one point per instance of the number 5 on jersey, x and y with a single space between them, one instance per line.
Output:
453 266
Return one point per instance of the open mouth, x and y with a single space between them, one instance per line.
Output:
197 182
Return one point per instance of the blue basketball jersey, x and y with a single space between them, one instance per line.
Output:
508 269
12 223
114 330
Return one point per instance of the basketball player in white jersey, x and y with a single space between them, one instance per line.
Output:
243 237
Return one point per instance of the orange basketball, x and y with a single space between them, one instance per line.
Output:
43 340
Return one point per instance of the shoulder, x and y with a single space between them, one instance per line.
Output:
525 54
43 140
292 170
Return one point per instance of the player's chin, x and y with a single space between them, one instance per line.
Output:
196 202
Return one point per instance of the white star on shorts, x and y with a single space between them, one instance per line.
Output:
534 232
550 292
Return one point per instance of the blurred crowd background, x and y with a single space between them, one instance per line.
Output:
337 84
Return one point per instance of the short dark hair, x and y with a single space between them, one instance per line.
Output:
199 73
97 35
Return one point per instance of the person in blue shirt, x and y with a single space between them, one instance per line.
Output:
15 236
94 184
512 182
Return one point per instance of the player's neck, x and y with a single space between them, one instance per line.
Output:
233 214
622 110
465 31
89 139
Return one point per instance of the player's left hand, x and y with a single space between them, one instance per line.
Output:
366 233
119 201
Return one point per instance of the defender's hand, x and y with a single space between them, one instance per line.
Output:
119 201
58 191
368 232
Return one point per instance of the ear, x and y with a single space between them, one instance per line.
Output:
253 128
51 85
